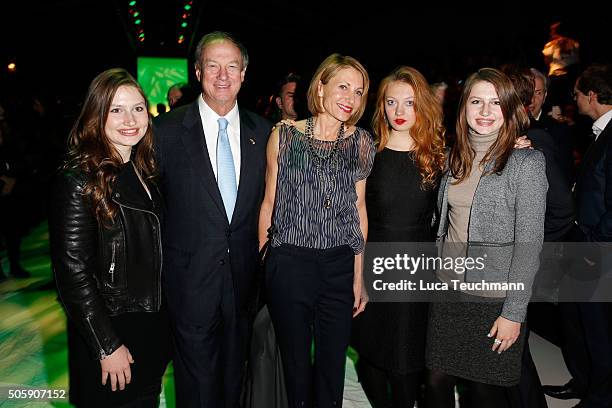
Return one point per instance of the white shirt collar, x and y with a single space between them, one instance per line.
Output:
207 112
600 124
210 126
539 115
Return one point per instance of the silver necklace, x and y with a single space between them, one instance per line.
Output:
326 165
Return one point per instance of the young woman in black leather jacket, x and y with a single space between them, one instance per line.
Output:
106 250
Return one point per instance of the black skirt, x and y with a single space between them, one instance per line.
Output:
147 336
457 342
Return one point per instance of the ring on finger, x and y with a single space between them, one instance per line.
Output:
497 341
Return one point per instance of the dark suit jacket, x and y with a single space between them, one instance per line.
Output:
561 143
197 235
594 189
560 215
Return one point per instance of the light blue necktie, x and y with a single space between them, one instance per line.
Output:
226 173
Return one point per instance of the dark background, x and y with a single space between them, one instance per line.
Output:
60 45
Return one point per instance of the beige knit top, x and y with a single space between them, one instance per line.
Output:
460 196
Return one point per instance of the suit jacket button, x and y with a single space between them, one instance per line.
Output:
221 261
228 233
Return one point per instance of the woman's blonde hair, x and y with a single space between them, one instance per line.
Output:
326 71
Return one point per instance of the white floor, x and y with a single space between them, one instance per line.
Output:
354 397
551 368
547 357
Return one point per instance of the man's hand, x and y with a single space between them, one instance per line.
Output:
522 143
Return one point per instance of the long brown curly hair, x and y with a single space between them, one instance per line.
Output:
428 130
516 121
91 151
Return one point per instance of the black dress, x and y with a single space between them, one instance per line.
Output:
391 336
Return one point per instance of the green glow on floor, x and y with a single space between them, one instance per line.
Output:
33 350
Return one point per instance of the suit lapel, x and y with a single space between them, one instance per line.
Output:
195 145
594 151
248 155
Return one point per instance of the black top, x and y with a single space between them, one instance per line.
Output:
391 336
399 210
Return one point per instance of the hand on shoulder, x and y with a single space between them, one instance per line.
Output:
522 142
288 122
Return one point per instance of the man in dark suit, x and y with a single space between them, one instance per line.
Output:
558 221
211 156
588 353
560 131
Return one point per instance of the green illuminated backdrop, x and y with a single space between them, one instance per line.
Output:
156 75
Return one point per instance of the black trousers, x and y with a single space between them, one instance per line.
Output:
147 336
210 358
587 350
310 293
530 387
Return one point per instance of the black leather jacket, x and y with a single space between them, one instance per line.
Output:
104 271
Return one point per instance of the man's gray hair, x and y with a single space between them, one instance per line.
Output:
538 74
217 36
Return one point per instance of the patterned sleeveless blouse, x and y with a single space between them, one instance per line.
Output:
316 199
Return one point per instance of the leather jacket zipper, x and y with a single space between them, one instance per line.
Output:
159 246
102 352
111 270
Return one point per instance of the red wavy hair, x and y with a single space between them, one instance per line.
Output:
428 130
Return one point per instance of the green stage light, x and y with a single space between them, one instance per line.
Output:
184 24
156 75
132 3
137 22
187 7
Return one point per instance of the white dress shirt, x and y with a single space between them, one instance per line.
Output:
211 131
600 124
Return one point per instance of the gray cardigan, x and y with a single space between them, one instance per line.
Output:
507 223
